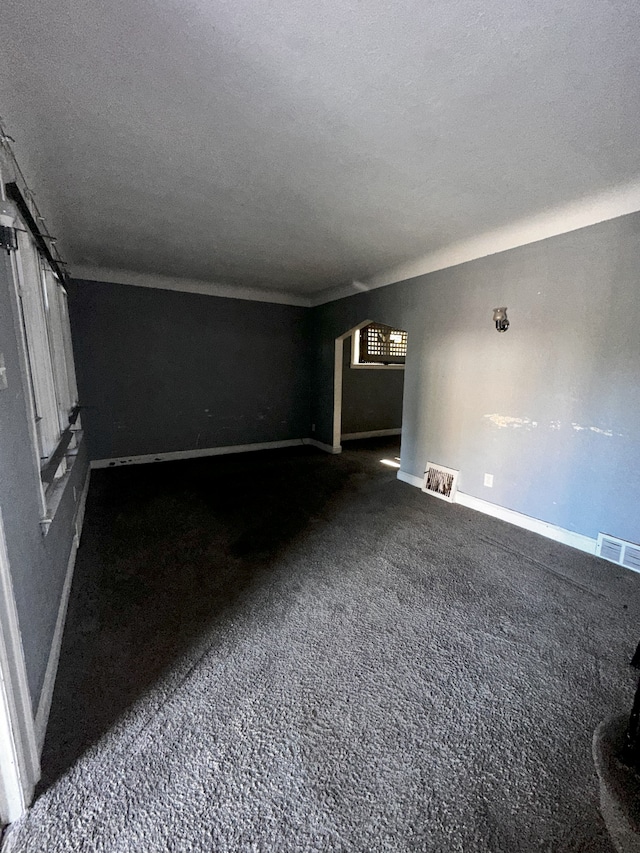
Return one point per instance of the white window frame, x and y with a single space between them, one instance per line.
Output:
19 754
48 366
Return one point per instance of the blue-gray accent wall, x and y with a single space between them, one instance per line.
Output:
163 371
38 563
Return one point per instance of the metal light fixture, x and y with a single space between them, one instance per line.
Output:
500 319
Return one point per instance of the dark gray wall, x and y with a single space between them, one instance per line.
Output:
371 398
552 407
38 564
166 371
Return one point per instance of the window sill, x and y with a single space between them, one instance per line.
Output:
377 366
54 492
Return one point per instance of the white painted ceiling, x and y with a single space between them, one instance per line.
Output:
295 145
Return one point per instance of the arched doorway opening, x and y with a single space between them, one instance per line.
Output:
368 382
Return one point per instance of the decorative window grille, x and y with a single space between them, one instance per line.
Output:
381 344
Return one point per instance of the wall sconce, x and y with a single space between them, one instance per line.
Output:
500 319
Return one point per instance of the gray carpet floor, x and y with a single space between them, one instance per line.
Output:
287 651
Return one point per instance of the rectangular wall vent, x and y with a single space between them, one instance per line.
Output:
440 482
632 558
619 551
610 550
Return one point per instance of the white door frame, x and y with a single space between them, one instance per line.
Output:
19 759
337 384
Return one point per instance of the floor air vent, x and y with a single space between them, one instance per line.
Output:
618 551
440 482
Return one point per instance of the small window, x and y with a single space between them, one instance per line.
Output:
377 345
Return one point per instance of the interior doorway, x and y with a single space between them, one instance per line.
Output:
368 382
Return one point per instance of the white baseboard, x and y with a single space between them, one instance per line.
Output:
46 694
518 519
411 479
176 455
374 433
544 528
321 446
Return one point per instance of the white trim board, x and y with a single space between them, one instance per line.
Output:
46 694
411 479
376 367
535 525
372 433
338 358
13 797
177 455
609 204
19 756
187 285
321 445
518 519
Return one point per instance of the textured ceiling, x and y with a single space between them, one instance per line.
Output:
296 145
